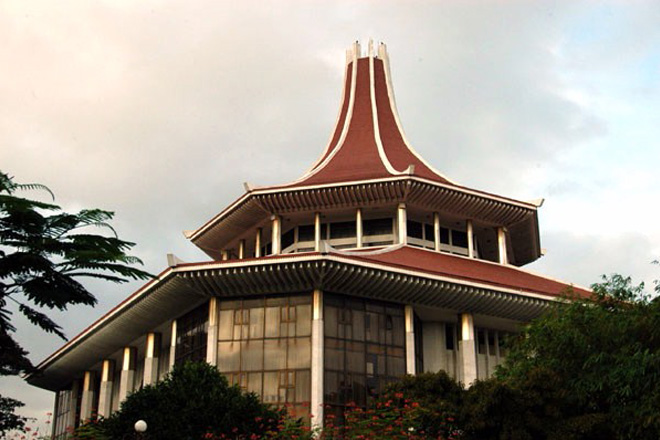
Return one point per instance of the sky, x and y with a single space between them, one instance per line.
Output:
160 110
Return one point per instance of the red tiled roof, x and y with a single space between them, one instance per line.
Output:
470 269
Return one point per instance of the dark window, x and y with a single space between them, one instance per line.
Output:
343 230
364 349
459 238
428 232
444 235
491 343
450 336
381 226
288 238
306 233
191 331
264 346
415 229
481 342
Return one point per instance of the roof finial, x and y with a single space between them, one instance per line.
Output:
382 51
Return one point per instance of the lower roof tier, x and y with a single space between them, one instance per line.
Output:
400 274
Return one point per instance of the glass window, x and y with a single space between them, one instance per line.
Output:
288 238
306 233
191 334
459 238
366 349
266 341
343 230
444 235
450 336
428 232
381 226
415 229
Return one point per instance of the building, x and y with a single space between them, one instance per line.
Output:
370 266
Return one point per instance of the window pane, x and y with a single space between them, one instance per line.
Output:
252 355
449 337
299 353
303 386
272 322
444 235
459 238
254 382
274 354
229 356
225 324
256 323
288 238
381 226
334 354
304 320
306 233
271 387
343 230
428 232
414 229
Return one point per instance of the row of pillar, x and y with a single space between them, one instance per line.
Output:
402 235
467 348
126 378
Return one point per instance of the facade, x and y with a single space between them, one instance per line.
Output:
371 266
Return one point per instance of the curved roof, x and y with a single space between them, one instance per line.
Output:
367 141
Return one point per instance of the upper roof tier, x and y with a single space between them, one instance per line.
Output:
367 142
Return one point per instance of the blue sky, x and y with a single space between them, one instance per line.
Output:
159 110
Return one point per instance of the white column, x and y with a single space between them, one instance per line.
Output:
467 349
317 232
501 245
212 335
55 412
436 231
241 249
276 237
88 394
105 389
172 345
470 237
257 243
402 223
316 404
127 377
358 226
151 358
224 255
73 404
409 318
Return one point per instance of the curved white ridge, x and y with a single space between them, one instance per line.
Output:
347 121
382 53
374 114
379 251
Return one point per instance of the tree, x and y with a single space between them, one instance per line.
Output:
586 369
43 253
194 401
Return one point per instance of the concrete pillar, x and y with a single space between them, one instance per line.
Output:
358 227
152 358
409 317
88 395
276 238
127 378
73 404
224 255
468 349
436 231
105 388
257 243
212 335
402 223
501 246
317 232
173 345
55 412
241 249
316 404
470 238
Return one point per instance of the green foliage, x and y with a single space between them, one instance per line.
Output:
194 401
586 369
9 420
43 253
